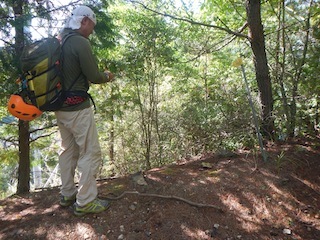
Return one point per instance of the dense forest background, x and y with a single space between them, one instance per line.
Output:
179 90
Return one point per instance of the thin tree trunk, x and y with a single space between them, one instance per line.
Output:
24 158
24 141
112 135
257 41
297 77
144 126
280 63
111 140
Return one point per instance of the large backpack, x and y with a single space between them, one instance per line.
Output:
41 80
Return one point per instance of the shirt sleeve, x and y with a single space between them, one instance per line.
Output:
88 63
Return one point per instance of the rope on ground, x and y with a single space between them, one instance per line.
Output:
165 197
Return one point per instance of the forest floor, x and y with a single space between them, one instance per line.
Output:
215 196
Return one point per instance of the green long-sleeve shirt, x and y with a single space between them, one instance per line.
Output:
79 63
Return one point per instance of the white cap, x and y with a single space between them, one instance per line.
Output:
74 21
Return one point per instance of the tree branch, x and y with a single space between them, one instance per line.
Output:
10 140
225 29
6 42
42 136
44 128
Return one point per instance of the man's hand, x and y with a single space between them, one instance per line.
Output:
110 75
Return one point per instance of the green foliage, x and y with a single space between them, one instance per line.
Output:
8 166
226 13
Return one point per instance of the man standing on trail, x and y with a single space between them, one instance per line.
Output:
80 146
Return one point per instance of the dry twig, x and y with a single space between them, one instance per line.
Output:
165 197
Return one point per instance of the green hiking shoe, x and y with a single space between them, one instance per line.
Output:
96 206
67 201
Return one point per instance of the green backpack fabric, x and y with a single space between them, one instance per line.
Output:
41 64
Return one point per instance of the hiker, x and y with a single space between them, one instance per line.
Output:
80 146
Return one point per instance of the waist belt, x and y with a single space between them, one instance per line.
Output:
76 97
73 100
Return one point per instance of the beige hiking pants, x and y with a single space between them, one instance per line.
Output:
79 148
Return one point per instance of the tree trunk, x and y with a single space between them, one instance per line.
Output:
281 51
24 158
257 41
24 144
112 136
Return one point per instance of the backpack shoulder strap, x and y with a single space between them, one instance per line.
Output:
63 41
65 38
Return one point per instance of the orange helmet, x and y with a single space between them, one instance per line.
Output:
22 110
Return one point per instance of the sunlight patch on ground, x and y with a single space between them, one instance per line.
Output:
260 207
281 198
314 187
53 209
213 180
41 231
194 233
28 211
232 202
268 174
248 220
58 234
84 230
154 178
